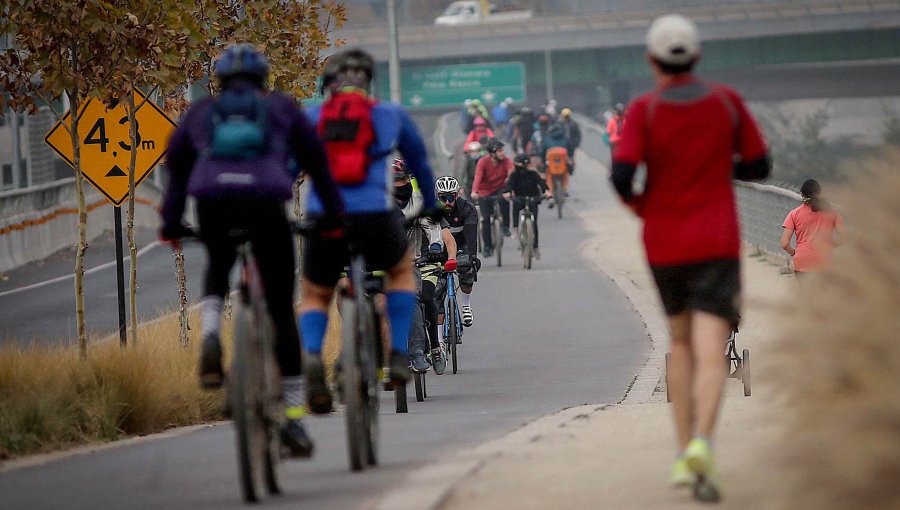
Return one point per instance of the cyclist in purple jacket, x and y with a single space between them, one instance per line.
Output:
241 183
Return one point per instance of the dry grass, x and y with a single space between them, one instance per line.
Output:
50 399
840 368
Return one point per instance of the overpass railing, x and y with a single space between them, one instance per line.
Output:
38 221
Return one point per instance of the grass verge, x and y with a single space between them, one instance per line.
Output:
50 399
840 363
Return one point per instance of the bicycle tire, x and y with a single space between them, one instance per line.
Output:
352 385
528 249
245 407
454 331
497 231
273 410
424 388
400 400
745 372
371 364
419 381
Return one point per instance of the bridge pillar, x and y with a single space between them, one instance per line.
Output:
548 73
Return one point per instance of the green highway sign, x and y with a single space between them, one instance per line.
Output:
426 87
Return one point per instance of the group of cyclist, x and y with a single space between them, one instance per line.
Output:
238 154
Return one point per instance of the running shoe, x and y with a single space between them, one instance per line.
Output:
317 395
681 475
700 461
506 232
211 373
438 361
419 362
467 318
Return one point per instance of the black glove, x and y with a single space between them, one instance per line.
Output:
476 263
434 214
174 232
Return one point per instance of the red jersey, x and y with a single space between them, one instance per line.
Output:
687 133
490 177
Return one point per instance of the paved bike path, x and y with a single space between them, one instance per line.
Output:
558 336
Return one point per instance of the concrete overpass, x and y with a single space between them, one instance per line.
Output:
598 57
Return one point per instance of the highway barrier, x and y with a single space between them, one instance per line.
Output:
37 221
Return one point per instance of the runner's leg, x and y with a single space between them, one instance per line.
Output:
709 333
679 376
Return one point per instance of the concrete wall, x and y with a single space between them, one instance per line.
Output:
35 222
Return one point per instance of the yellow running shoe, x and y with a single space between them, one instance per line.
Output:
681 475
699 459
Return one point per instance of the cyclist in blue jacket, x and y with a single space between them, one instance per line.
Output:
371 222
244 186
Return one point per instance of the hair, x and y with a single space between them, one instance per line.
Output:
675 69
811 191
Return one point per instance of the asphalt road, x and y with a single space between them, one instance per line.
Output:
556 336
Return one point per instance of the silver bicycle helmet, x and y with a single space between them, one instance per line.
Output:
446 184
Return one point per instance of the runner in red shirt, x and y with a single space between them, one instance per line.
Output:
688 133
490 180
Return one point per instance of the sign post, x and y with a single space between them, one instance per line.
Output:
120 276
106 156
441 86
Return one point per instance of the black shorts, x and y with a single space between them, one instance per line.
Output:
380 235
713 286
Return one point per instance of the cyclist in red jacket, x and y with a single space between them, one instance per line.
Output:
490 179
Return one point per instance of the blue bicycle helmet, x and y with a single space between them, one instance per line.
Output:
242 60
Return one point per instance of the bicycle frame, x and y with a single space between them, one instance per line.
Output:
451 294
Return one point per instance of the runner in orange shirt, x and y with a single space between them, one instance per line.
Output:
818 229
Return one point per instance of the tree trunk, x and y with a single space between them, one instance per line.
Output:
298 214
132 248
181 276
82 245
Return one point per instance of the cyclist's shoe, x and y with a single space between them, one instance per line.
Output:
681 475
438 361
699 459
566 194
488 252
294 438
317 395
467 318
536 253
420 362
506 232
398 370
551 205
211 373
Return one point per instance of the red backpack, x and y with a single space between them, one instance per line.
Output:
345 125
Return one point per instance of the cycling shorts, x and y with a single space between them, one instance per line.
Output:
381 237
712 286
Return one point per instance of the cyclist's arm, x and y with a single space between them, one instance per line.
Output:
180 158
412 147
310 153
449 243
479 176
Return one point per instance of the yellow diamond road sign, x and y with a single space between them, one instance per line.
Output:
106 144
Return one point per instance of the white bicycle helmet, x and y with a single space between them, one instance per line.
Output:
473 147
446 184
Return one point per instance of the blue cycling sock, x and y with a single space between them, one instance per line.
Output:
312 325
400 306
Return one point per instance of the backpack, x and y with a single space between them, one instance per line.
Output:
237 137
345 125
557 160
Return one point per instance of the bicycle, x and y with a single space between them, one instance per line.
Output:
254 385
453 328
527 229
497 228
738 365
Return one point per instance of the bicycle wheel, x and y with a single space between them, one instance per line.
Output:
497 232
419 380
246 405
528 248
372 362
453 324
745 372
273 408
559 198
352 384
400 399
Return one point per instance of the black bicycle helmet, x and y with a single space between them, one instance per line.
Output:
493 145
340 63
522 160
